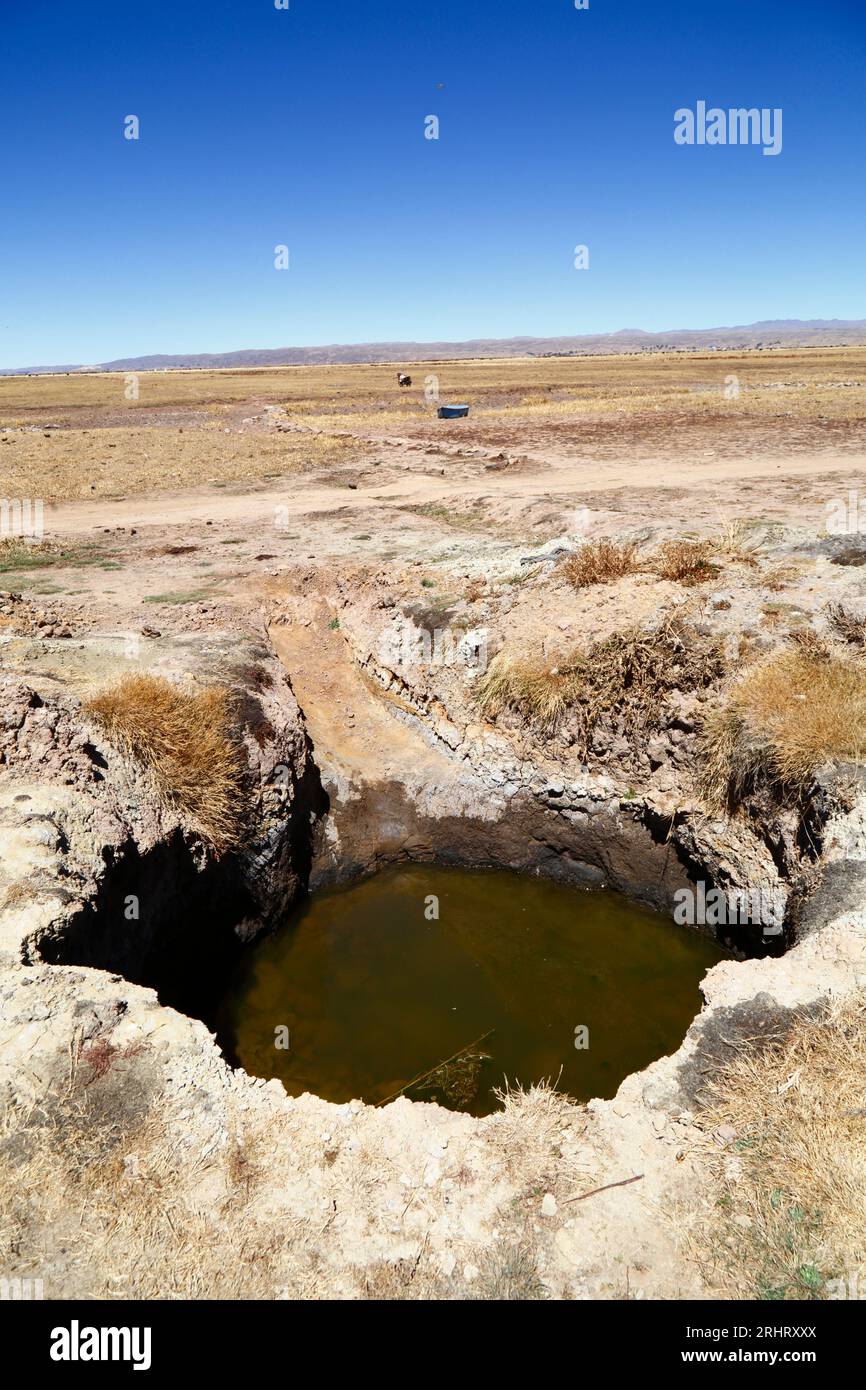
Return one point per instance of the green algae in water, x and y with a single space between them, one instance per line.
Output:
378 999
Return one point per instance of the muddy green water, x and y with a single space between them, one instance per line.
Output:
373 993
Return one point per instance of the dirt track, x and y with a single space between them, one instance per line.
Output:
567 481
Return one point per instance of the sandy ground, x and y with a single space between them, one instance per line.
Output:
566 483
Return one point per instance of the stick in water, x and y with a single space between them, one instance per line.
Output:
430 1070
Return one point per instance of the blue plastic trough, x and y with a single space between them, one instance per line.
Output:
452 412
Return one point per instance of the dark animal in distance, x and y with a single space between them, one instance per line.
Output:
403 379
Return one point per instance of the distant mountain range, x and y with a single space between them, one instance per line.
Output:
767 334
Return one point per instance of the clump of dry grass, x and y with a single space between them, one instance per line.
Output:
685 562
779 578
847 625
624 678
783 719
737 540
534 687
791 1207
507 1272
600 562
475 589
186 741
810 644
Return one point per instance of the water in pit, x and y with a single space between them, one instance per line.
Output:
374 995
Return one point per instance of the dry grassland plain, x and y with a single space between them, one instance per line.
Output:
190 428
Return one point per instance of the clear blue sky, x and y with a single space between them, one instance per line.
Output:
305 127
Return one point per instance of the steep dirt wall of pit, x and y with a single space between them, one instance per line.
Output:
409 776
94 870
382 823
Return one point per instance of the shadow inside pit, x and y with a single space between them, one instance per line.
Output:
163 920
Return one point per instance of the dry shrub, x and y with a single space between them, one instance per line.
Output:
790 1213
599 562
534 687
186 741
784 718
528 1129
737 541
475 589
101 1054
847 625
779 578
810 644
685 562
625 677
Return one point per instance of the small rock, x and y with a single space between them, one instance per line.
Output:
548 1204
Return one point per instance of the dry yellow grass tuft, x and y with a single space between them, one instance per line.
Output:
790 1213
685 562
846 624
623 678
811 644
186 742
531 685
784 718
599 562
738 540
